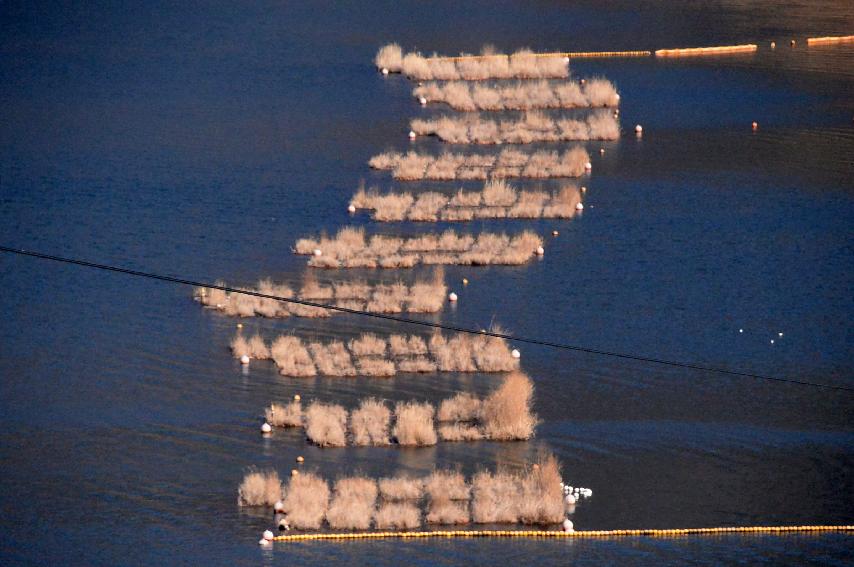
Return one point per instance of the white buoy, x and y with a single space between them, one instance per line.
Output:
515 353
412 135
385 71
284 525
555 233
268 535
540 251
266 428
263 542
452 296
583 189
741 330
279 506
616 97
779 334
570 499
601 151
773 45
638 129
567 525
351 209
588 166
422 100
244 359
579 206
566 59
240 325
569 488
294 472
588 492
318 252
772 341
465 281
300 459
296 398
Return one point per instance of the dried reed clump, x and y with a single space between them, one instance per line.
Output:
462 407
369 424
253 348
448 512
306 501
292 357
259 488
506 413
353 504
326 425
449 485
540 497
498 199
389 57
375 367
446 248
414 424
402 345
288 415
332 359
401 488
460 432
398 515
368 344
495 498
521 96
522 64
532 127
447 167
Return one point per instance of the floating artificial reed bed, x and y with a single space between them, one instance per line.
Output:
466 97
350 248
371 355
504 415
498 199
543 164
530 128
522 64
533 496
423 296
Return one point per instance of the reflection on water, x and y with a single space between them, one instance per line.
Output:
206 146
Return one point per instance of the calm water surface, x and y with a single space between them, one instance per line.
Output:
203 139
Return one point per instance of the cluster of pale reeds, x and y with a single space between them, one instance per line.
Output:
372 355
350 248
497 199
531 127
522 64
504 415
542 164
521 96
531 496
423 296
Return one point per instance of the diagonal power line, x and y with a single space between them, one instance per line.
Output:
539 342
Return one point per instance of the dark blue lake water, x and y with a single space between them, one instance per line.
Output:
201 139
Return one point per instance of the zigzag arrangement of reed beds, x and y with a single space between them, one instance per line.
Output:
532 127
350 248
504 415
423 296
509 163
372 355
521 96
522 64
445 497
498 199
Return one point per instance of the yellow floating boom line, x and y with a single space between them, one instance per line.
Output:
720 50
556 534
829 39
570 54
